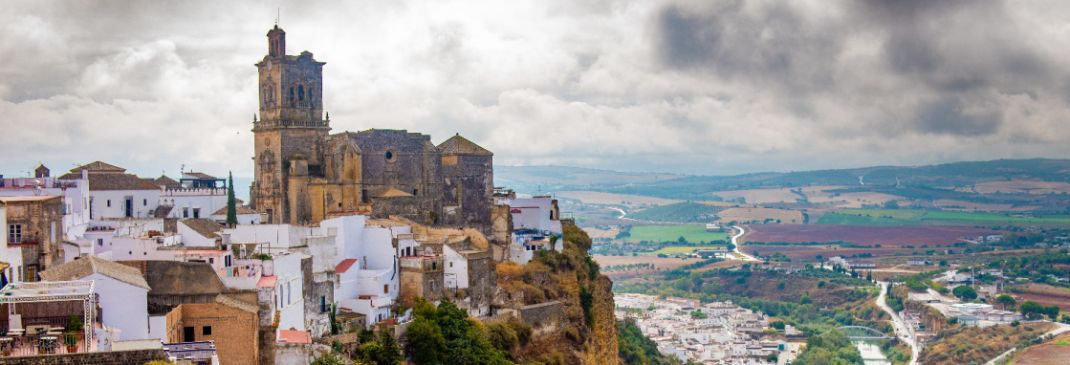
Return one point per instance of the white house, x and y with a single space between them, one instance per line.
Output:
122 290
12 256
368 261
456 271
244 214
199 232
75 193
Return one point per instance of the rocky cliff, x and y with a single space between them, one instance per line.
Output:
567 302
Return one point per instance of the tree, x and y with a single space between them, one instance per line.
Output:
1006 301
964 292
232 203
328 359
382 351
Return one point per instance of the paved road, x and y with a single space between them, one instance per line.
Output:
1059 329
902 329
735 242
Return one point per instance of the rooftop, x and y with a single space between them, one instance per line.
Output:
458 145
46 291
23 199
89 265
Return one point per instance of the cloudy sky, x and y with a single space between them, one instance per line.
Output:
700 87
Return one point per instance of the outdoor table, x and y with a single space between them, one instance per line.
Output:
48 343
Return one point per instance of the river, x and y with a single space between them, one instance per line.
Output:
871 354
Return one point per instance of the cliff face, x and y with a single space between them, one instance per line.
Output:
584 329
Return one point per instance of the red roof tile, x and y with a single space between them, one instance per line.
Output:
267 281
294 336
344 265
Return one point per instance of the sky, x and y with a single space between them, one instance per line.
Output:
694 87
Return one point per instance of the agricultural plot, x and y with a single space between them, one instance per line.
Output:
863 235
906 217
1054 352
686 250
690 232
749 214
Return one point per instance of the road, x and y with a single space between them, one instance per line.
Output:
736 250
1059 329
902 330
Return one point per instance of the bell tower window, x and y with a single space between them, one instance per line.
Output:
301 92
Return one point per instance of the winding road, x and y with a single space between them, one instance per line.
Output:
902 329
735 242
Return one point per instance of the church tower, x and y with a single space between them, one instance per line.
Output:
291 132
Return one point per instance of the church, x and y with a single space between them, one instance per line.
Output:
304 174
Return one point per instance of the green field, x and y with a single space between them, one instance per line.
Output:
899 217
690 232
673 250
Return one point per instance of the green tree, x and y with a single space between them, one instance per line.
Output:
1006 301
382 351
329 359
964 292
232 202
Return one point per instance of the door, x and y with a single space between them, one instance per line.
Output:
128 206
187 334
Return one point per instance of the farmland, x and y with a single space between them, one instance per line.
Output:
675 250
865 235
1054 352
664 233
758 214
662 263
905 217
1044 294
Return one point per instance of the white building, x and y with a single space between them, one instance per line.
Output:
12 256
75 193
122 290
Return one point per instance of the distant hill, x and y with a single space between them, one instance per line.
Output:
944 181
537 179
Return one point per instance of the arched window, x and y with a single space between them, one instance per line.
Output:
301 92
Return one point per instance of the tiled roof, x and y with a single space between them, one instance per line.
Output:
167 182
241 210
179 278
344 265
267 281
88 265
294 336
119 181
205 227
458 145
93 168
162 211
235 303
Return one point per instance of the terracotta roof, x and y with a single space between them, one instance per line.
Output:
167 182
205 227
235 303
94 167
344 265
294 336
458 145
89 265
241 210
162 211
267 281
393 193
98 182
179 278
27 198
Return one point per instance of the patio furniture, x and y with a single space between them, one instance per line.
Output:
7 343
15 325
47 344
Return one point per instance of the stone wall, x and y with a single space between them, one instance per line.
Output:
132 357
235 331
543 317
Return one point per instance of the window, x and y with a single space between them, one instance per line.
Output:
206 330
100 242
211 260
386 288
109 203
185 212
289 294
196 212
389 156
415 192
451 263
323 304
434 265
14 233
301 92
144 202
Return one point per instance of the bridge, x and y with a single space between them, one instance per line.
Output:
861 333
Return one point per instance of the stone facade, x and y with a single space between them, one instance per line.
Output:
304 175
421 277
35 226
231 324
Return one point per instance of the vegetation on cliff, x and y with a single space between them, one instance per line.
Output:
588 331
637 349
446 335
829 348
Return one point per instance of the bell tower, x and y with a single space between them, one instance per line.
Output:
291 126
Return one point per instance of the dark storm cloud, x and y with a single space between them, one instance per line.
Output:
940 56
773 46
947 116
